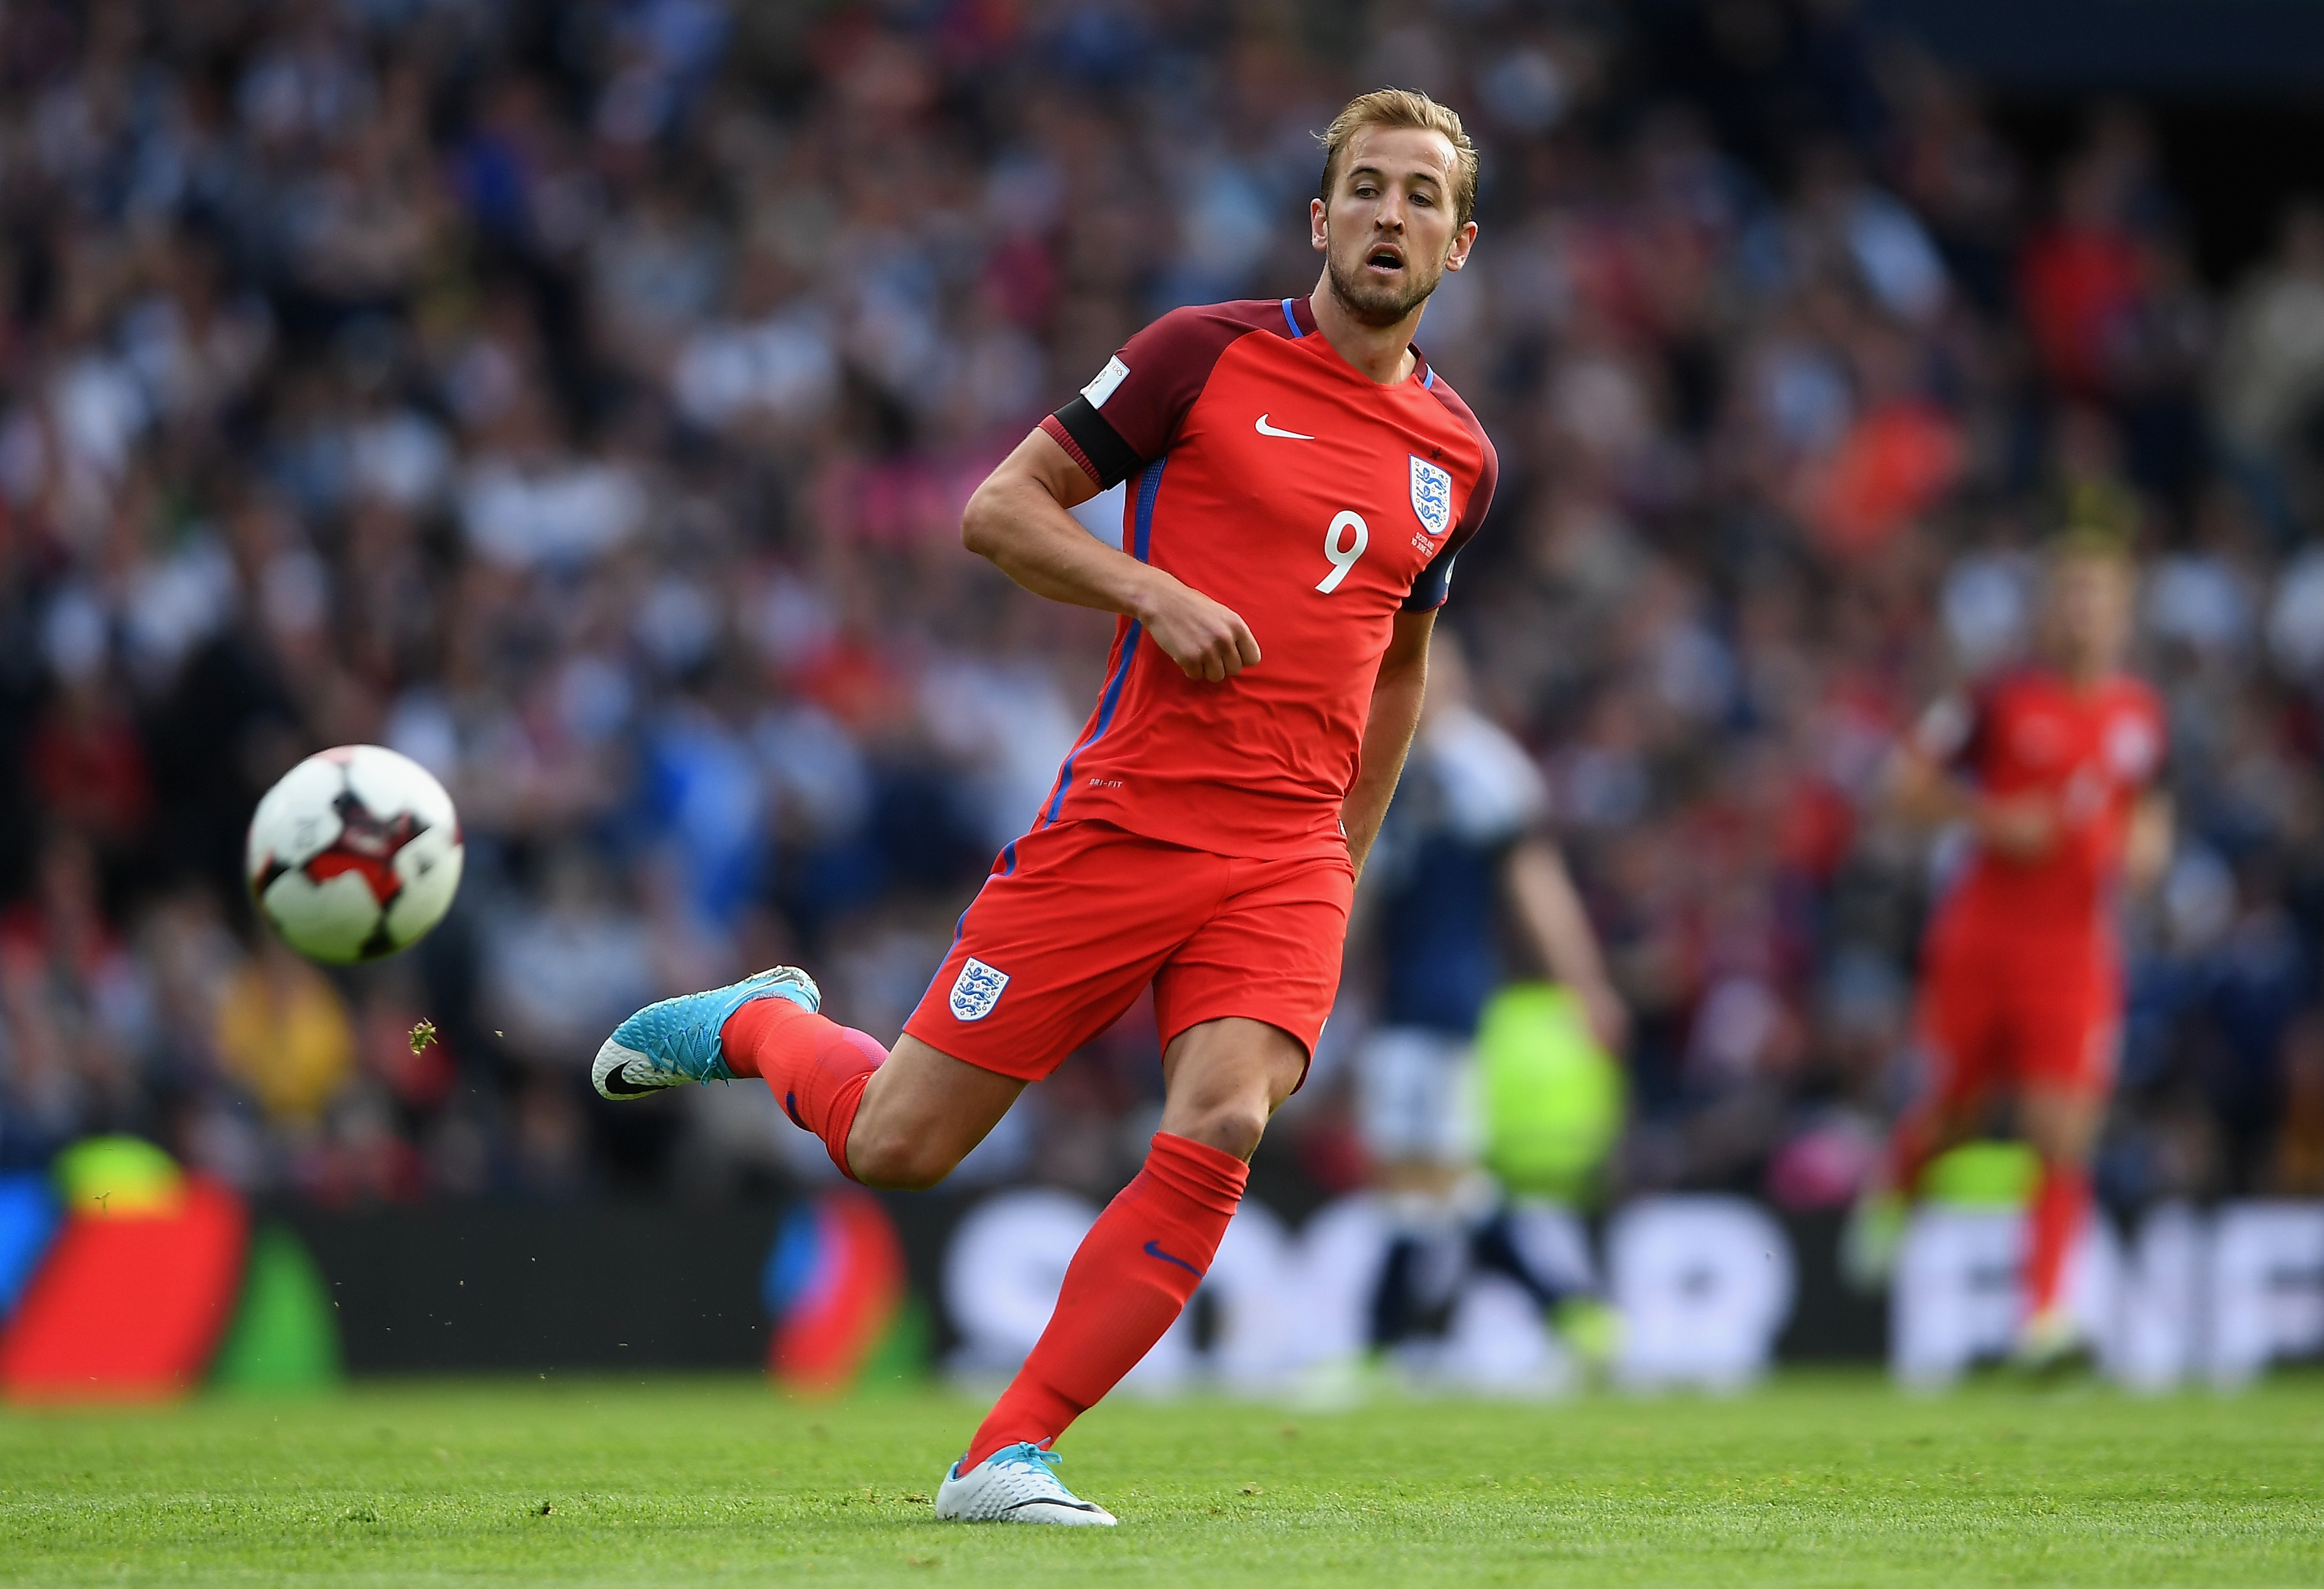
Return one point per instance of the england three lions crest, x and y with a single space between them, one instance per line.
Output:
1432 496
976 990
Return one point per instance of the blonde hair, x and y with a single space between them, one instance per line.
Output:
2086 542
1403 108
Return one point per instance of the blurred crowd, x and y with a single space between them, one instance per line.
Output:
580 399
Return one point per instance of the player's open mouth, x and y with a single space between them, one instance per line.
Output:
1384 259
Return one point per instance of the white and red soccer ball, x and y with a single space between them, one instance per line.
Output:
354 854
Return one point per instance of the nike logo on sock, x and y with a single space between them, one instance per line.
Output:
790 1107
1266 429
1154 1250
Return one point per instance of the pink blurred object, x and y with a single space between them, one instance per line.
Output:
1824 1167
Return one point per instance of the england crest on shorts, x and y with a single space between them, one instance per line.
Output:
1432 495
976 990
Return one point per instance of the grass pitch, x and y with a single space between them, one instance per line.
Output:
1826 1479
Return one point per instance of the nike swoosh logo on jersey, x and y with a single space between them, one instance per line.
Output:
1266 429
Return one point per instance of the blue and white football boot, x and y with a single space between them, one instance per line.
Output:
1015 1484
676 1042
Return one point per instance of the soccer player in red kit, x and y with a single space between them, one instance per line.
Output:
2050 769
1300 483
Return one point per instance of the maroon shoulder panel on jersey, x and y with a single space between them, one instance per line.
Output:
1126 418
1985 702
1435 582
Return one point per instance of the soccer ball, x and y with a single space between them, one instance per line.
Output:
354 854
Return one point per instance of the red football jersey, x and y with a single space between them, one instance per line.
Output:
2093 752
1274 477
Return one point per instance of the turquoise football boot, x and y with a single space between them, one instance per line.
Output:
676 1042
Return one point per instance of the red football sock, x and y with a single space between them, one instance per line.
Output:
1128 1280
816 1067
2061 1202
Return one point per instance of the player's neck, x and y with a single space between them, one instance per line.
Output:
1379 354
2082 676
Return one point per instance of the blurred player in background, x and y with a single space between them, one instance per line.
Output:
1463 841
1304 481
2049 768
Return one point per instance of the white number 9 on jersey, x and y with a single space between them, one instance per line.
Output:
1342 557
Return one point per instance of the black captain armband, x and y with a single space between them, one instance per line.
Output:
1434 586
1101 446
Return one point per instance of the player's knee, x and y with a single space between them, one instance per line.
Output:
1231 1125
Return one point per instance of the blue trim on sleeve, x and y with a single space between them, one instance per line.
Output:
1149 485
1292 320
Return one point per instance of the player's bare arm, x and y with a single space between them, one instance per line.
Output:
1924 792
1397 692
1551 910
1017 521
2146 848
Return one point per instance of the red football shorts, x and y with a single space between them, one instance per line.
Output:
2001 1011
1079 916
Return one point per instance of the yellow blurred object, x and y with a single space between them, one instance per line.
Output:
283 1031
119 1177
1553 1096
1983 1175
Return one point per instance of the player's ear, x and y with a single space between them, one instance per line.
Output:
1462 241
1319 235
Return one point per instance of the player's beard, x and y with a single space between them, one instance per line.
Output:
1377 303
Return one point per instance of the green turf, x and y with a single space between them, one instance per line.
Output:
1815 1480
